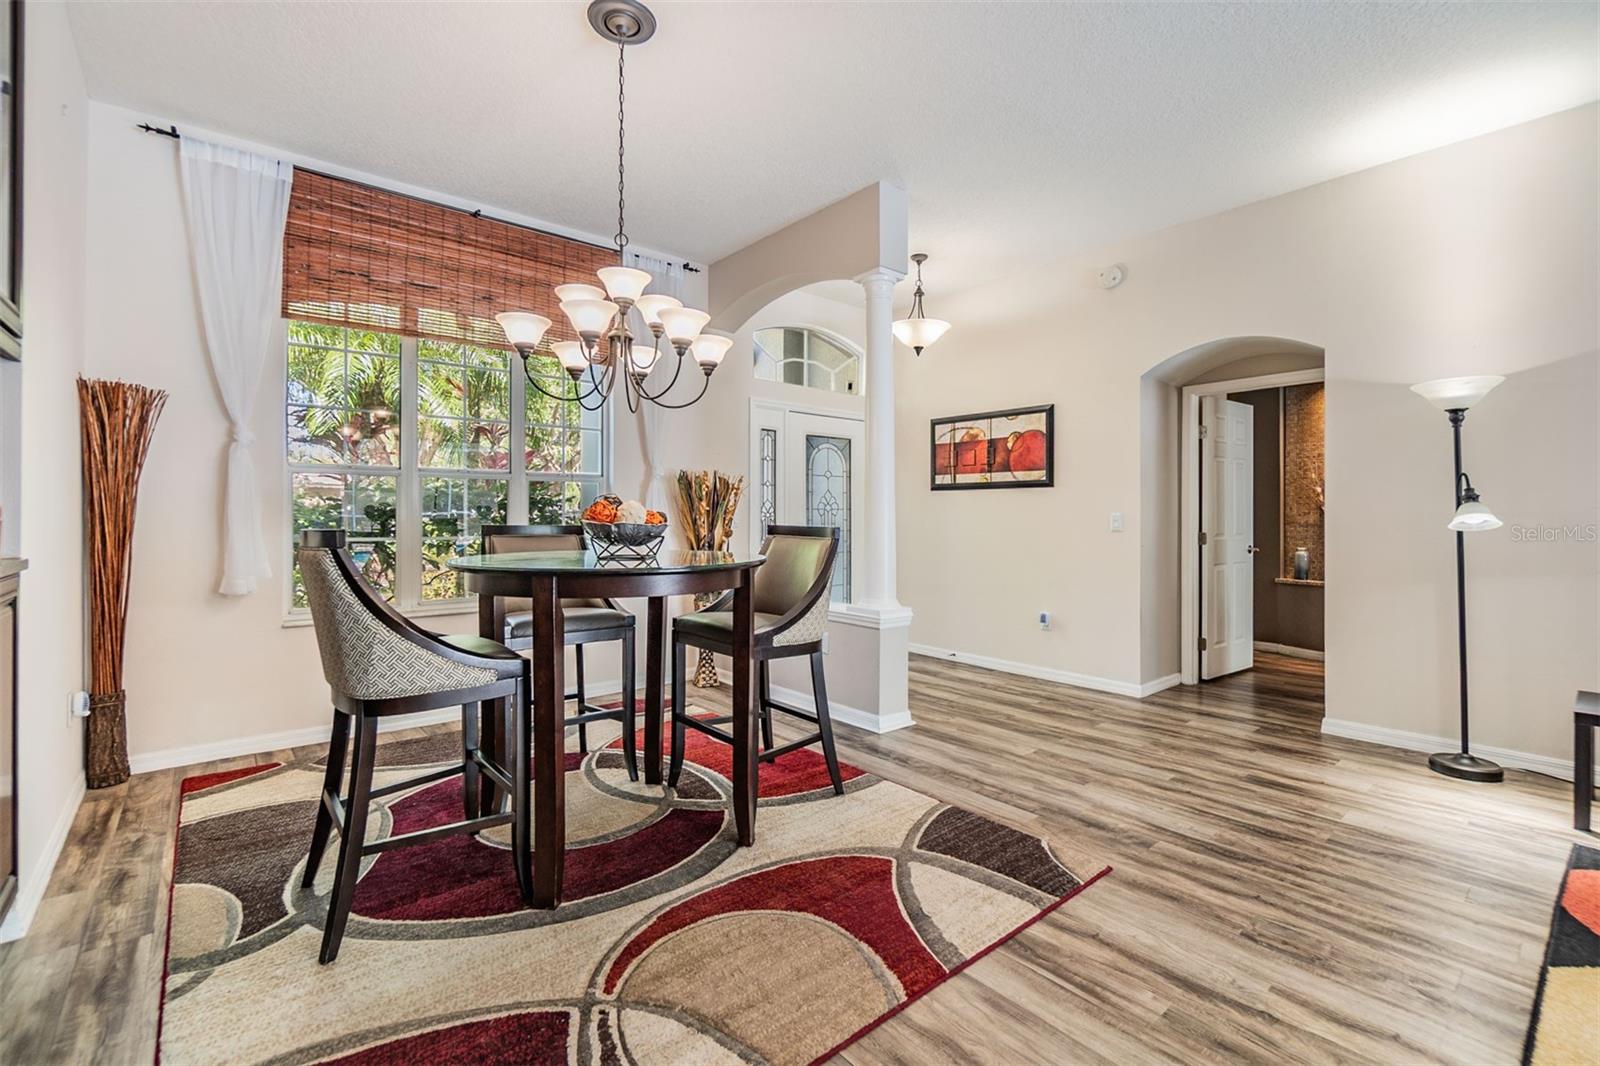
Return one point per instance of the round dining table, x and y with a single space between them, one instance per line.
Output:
549 577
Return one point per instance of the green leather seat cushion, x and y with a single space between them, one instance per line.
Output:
718 625
519 626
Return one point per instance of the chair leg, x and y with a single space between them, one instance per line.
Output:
630 709
332 781
819 686
469 765
352 838
583 729
766 705
522 797
489 743
680 664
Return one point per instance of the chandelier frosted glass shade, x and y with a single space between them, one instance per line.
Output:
683 325
709 348
1474 517
523 329
579 291
570 353
589 317
1457 394
918 333
652 304
623 283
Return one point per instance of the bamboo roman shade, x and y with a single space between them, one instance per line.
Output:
359 256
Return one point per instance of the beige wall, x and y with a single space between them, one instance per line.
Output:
43 523
207 673
1479 257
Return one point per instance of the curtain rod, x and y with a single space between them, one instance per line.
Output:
172 131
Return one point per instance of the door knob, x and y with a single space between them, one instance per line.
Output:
1252 549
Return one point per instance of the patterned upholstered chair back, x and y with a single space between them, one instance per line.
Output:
368 652
797 575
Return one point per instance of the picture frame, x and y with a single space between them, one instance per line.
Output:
1010 449
11 24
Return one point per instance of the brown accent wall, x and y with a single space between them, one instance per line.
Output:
1302 475
1284 614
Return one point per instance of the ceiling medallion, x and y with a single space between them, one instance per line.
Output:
605 354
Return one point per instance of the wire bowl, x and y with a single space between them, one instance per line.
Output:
624 540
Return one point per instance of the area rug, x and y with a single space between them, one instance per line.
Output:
1565 1027
672 946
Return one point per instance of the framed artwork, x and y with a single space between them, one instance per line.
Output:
1013 449
10 178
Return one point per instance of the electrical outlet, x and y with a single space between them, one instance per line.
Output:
1116 521
824 643
1044 619
78 705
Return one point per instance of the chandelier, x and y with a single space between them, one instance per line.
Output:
918 331
606 354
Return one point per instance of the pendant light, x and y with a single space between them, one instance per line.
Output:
605 355
919 331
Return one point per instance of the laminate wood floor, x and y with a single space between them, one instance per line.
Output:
1278 896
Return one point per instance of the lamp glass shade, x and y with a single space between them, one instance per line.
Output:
523 329
1456 394
642 357
577 291
709 348
652 304
683 324
919 332
571 355
623 283
1474 517
589 316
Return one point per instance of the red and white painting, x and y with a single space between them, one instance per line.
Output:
995 450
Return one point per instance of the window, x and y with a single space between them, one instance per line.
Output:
806 357
408 443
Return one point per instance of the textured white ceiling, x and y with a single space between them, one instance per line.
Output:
1020 130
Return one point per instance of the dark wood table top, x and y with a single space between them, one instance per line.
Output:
586 562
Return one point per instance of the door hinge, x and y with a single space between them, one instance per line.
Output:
1203 538
1202 643
1204 430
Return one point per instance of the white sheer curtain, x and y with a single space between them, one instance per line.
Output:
655 489
236 204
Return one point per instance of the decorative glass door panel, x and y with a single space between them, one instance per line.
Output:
828 500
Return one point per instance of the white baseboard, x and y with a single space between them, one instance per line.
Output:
32 884
144 762
1046 673
1160 684
1289 650
1408 741
839 712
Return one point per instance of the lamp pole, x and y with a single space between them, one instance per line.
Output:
1463 763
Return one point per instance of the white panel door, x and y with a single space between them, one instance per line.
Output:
1227 535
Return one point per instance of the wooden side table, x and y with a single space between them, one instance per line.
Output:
1585 720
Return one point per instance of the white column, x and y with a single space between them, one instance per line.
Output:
877 588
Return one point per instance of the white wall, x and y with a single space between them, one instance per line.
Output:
1478 257
46 524
208 674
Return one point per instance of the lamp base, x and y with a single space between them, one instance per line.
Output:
1467 767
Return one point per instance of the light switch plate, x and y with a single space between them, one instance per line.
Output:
1116 521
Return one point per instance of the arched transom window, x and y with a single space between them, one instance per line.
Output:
800 356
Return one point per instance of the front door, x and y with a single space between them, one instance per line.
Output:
1227 536
807 469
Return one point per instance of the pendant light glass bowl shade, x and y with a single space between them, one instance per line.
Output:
919 332
623 283
1457 394
570 353
1474 517
523 330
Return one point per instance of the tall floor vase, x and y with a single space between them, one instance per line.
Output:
117 421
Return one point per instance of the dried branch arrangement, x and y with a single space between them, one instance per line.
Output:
707 502
117 421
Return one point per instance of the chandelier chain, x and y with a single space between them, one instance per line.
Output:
622 236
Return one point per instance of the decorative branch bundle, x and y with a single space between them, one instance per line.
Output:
707 503
117 421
